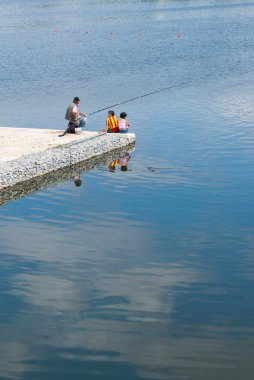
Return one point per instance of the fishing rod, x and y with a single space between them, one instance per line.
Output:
130 100
123 102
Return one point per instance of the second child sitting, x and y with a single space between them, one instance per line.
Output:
111 123
123 123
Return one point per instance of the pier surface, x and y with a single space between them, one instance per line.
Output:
18 142
28 153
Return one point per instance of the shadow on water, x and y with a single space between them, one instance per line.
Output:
20 190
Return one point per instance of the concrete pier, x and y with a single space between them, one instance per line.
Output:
30 153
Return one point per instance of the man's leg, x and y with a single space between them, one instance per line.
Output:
82 122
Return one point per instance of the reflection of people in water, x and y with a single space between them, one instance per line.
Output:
77 180
123 161
112 165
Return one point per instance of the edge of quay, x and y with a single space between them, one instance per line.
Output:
43 162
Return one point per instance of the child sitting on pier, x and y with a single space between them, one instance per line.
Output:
111 123
123 123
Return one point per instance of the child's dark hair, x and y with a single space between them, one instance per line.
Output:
123 115
111 113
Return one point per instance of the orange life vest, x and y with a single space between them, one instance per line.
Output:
111 122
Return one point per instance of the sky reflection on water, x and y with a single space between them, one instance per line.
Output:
154 296
81 302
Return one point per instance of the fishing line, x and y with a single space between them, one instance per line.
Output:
123 102
130 100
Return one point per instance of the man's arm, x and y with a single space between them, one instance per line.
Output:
75 115
82 114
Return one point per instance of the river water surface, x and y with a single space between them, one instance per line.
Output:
146 273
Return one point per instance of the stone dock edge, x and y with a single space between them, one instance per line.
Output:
22 189
52 159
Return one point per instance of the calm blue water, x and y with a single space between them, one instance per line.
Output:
148 273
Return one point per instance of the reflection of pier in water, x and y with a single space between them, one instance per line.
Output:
22 189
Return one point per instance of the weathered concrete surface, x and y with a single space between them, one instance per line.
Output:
30 153
19 142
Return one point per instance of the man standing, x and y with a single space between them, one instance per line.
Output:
76 118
